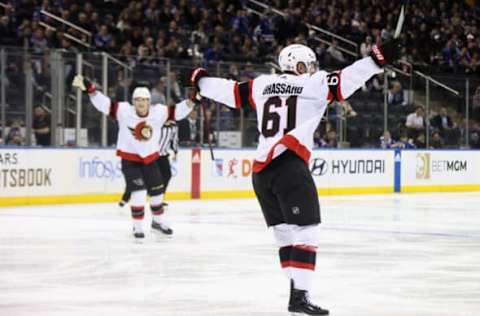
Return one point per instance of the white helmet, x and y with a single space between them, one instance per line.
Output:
141 92
291 55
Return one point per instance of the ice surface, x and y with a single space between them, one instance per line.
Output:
385 255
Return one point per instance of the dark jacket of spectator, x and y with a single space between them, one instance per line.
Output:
189 130
475 140
442 122
41 127
436 142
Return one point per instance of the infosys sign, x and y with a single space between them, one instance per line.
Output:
426 166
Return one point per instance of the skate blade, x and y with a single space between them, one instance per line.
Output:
160 233
299 314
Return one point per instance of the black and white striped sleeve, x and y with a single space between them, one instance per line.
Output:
174 140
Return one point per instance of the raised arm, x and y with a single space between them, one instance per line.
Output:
100 101
177 112
342 84
181 109
228 92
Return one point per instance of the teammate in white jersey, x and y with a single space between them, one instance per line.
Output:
168 142
137 145
289 109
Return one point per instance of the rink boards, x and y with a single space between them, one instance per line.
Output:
42 176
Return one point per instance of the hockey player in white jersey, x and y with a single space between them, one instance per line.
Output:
137 146
289 109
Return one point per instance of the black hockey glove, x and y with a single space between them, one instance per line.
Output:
387 53
84 84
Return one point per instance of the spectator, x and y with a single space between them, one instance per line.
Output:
386 141
451 54
366 47
264 29
416 122
14 136
239 23
396 95
436 142
233 72
474 133
38 41
145 56
330 141
335 53
208 128
103 39
442 121
420 141
404 142
158 92
444 124
475 140
41 126
188 130
7 31
226 119
175 89
476 104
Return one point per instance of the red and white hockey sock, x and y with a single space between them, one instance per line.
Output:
302 266
137 201
156 205
138 212
285 253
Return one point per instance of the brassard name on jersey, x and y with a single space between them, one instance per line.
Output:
282 88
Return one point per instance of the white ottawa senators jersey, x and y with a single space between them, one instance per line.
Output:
289 107
138 137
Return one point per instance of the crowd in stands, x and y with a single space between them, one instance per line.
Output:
437 35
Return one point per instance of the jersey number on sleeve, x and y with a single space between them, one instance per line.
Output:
271 129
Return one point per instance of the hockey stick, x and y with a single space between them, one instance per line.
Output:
401 19
207 127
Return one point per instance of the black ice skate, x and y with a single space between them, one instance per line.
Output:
300 303
162 228
138 234
122 203
138 229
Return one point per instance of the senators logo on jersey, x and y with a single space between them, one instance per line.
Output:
142 131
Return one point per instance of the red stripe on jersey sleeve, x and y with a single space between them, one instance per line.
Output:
236 92
339 90
330 96
250 95
292 144
171 113
113 110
